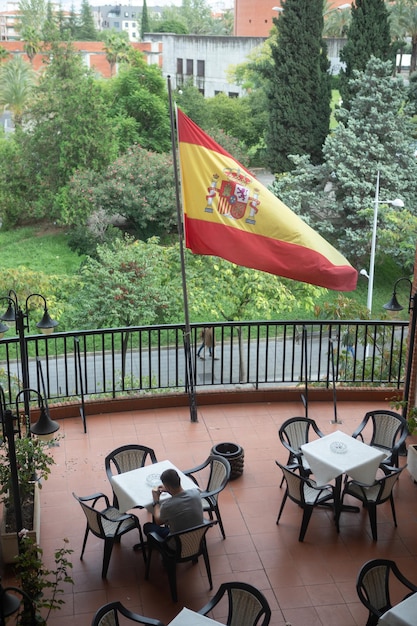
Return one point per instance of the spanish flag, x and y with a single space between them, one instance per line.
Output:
229 214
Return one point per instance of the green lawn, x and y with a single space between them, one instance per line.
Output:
39 250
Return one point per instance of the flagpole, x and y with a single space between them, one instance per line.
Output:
189 363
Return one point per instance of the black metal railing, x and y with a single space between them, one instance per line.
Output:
150 359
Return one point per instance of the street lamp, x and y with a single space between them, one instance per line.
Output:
44 426
394 305
397 203
20 317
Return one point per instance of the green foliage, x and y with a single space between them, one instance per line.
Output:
337 198
139 186
16 83
32 458
86 30
193 17
15 183
219 290
125 286
299 86
69 128
144 24
368 35
138 104
116 47
42 585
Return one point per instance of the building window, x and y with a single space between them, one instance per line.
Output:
201 91
126 24
126 14
200 68
233 94
180 66
134 35
133 14
216 93
133 24
190 67
116 25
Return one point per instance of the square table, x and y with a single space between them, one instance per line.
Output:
336 454
402 614
134 488
189 618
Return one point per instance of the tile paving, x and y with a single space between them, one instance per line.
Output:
310 583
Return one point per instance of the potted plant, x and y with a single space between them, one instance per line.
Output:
33 461
41 587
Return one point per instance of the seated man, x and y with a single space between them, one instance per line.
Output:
183 510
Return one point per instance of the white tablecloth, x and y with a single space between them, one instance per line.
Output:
338 453
190 618
403 614
134 488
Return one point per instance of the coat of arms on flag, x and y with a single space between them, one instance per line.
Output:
234 196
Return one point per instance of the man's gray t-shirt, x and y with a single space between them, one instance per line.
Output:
182 511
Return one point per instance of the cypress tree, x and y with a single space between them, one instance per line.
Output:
368 35
298 88
144 25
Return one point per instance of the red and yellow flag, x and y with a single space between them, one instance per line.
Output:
230 214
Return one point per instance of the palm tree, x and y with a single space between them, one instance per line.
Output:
16 81
403 18
32 43
4 54
117 49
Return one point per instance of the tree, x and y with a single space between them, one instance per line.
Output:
193 17
32 42
137 100
4 54
68 126
144 24
16 84
337 198
139 186
368 35
32 14
403 19
299 86
86 30
125 286
116 47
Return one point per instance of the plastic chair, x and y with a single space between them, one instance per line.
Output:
293 433
247 605
373 587
108 615
107 524
373 495
218 478
125 459
185 545
389 431
304 492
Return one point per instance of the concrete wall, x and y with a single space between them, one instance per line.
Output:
218 54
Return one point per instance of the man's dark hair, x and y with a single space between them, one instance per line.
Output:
170 479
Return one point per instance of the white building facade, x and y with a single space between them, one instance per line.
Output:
204 59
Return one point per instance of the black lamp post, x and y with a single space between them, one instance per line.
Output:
44 426
394 305
20 317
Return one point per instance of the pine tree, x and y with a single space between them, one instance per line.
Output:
299 86
86 30
368 35
144 25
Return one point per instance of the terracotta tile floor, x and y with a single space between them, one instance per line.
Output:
307 584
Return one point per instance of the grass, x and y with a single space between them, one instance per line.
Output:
41 249
46 250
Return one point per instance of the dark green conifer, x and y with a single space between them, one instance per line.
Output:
368 35
299 90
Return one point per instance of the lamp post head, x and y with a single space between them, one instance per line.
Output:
47 324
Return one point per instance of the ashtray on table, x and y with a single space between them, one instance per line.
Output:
153 480
339 447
